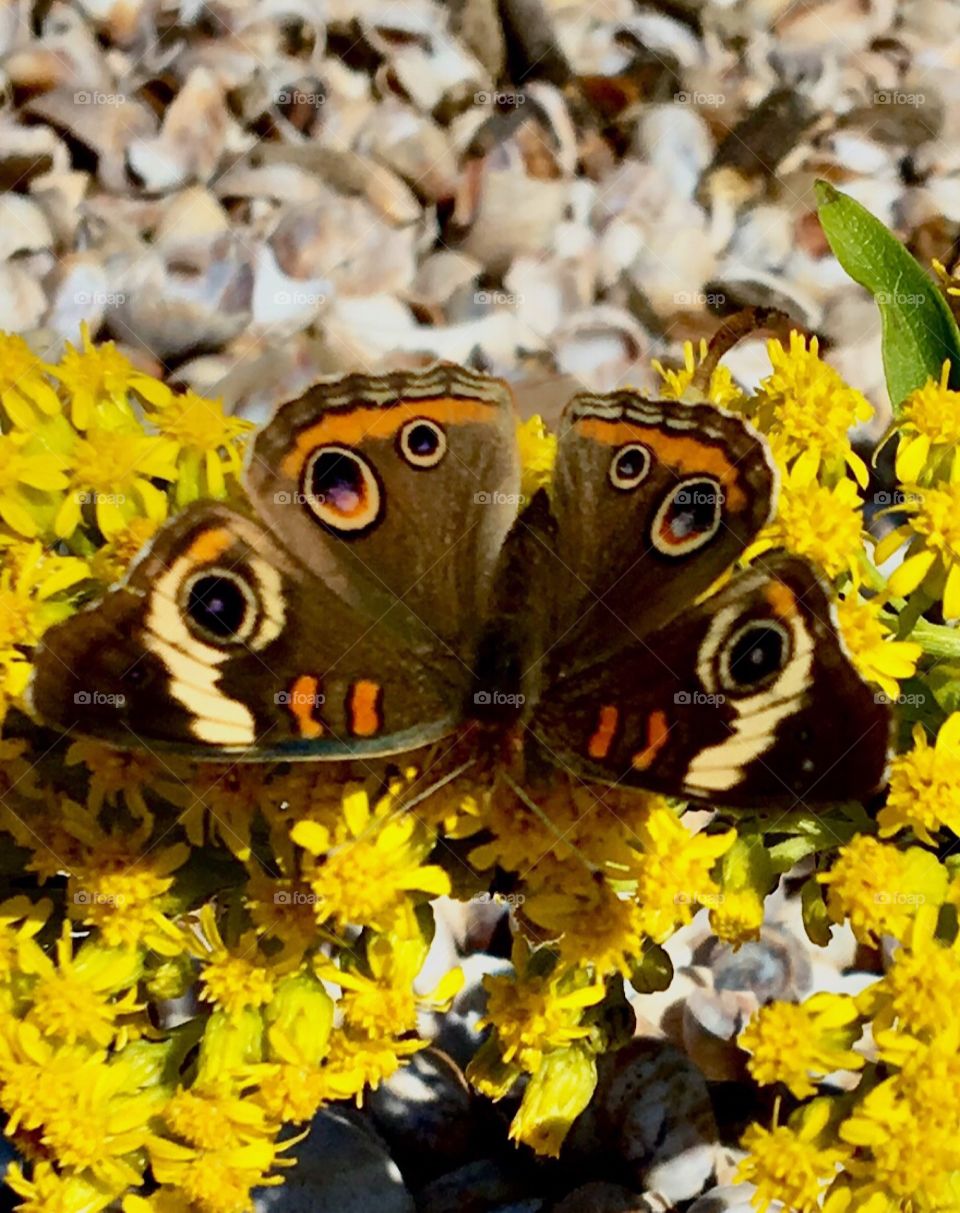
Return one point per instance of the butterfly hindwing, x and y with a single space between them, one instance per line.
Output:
747 699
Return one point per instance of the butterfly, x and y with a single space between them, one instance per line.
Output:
388 587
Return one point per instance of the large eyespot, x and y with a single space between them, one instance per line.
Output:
629 466
422 443
754 655
689 516
220 606
341 490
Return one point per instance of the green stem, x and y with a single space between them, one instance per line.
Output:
936 639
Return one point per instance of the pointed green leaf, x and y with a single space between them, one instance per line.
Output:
919 330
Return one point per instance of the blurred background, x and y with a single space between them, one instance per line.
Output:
246 194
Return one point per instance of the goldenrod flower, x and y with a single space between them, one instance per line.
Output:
377 859
25 392
85 997
99 380
29 474
879 887
49 1191
215 1117
924 790
920 991
808 411
234 978
553 1099
538 453
21 920
737 916
206 441
823 524
594 924
795 1043
929 432
866 630
932 535
792 1164
722 389
673 871
219 1179
534 1013
907 1128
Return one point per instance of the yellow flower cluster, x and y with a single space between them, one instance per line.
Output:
290 906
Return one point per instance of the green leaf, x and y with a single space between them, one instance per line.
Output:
653 971
813 909
919 330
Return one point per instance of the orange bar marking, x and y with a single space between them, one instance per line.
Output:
657 733
600 743
364 708
782 599
683 454
209 544
381 421
303 701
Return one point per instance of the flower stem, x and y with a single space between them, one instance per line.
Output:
936 639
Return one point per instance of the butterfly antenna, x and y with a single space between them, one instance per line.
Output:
735 329
542 817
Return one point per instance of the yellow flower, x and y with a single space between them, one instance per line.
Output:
924 790
211 1119
366 873
673 871
206 440
91 1112
220 1179
721 391
112 560
100 379
27 476
737 916
233 979
538 454
595 924
866 633
21 920
47 1191
929 431
910 1125
793 1043
789 1163
76 998
809 411
932 557
822 524
24 389
553 1099
534 1013
113 469
879 887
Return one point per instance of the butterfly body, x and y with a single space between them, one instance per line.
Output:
388 589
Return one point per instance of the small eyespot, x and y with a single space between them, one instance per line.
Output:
629 466
689 516
220 606
422 443
341 490
754 655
